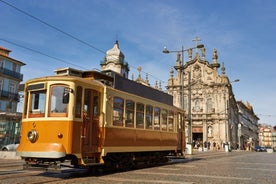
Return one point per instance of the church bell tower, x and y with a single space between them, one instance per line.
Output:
114 60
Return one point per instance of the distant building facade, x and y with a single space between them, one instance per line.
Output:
265 135
248 126
10 77
274 138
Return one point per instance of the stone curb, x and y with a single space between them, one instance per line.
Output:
9 155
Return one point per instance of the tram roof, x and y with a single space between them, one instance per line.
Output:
133 87
119 82
115 80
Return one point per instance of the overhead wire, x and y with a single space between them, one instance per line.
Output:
53 27
36 51
63 32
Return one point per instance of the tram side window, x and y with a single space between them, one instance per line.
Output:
87 103
164 115
140 115
57 105
156 118
129 113
149 110
170 121
38 100
118 109
96 106
78 102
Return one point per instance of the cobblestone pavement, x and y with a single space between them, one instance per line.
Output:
206 167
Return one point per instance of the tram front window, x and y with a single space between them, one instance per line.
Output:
57 102
38 99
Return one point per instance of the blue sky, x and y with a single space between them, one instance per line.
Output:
243 32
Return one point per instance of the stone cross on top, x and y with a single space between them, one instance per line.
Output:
197 39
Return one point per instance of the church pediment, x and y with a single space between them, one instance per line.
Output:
201 72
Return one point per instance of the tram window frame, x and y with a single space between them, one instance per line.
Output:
149 116
180 121
129 113
117 111
96 103
26 99
164 119
140 114
156 117
57 96
171 121
78 102
37 109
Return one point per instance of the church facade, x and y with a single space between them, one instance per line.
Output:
208 99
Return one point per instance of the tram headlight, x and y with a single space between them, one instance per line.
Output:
32 135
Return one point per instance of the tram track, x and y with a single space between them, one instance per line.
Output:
14 173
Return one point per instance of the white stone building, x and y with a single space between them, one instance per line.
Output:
10 77
207 98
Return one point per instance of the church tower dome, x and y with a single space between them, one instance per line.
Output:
115 60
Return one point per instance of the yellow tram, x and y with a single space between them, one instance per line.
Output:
95 118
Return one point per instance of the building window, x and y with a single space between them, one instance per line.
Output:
14 67
1 86
1 64
12 88
209 105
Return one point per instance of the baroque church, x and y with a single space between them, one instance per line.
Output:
208 100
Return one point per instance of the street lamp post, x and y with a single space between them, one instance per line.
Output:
181 67
239 135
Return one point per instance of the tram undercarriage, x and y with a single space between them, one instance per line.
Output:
112 161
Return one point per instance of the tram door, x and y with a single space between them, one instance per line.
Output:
90 126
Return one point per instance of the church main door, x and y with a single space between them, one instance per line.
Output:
197 136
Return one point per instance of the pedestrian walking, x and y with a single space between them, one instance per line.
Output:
214 146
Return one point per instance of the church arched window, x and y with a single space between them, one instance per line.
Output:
209 105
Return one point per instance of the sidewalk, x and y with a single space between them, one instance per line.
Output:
9 155
208 152
197 153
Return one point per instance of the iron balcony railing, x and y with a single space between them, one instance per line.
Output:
9 95
11 73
